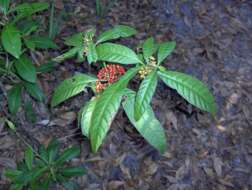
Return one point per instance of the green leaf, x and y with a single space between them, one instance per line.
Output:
4 6
26 69
145 94
148 126
28 9
69 54
14 98
11 40
34 90
73 171
116 53
190 88
148 48
115 33
52 150
91 53
164 50
42 42
29 158
11 125
76 40
68 154
106 108
85 115
26 27
12 174
43 153
71 87
46 67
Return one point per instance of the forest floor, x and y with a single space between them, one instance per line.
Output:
214 44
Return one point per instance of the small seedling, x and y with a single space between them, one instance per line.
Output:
39 170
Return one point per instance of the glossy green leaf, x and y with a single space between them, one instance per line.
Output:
68 154
73 171
14 98
145 94
148 48
34 90
42 42
91 53
4 6
116 32
85 115
69 54
164 50
26 69
29 158
11 40
190 88
71 87
148 126
116 53
76 40
106 108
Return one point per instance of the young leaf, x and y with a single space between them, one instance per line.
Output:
29 158
145 93
16 187
164 50
68 154
34 90
116 53
106 108
26 69
42 42
14 98
11 40
148 48
4 6
71 87
115 33
91 54
69 185
69 54
148 126
190 88
85 115
76 40
73 171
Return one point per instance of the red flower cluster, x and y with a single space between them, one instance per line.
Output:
108 75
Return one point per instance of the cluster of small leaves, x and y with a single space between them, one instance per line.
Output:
18 35
96 116
39 170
